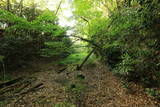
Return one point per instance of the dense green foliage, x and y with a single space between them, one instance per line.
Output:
124 33
22 40
129 37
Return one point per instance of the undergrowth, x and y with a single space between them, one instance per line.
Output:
64 104
77 58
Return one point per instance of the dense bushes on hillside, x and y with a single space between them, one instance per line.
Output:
22 40
133 38
125 34
129 36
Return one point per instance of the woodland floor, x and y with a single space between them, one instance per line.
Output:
100 88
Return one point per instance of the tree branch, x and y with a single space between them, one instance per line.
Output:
58 7
84 19
86 40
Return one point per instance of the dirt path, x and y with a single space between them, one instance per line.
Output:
98 88
109 91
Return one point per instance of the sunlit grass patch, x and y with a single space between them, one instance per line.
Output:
77 58
64 104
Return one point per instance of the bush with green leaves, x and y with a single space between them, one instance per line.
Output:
130 42
23 40
126 66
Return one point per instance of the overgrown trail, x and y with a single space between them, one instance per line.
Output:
102 89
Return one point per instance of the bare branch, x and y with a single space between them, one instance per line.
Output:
58 7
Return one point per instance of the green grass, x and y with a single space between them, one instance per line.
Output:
3 103
7 77
63 104
77 58
74 58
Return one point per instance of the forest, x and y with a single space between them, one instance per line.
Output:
79 53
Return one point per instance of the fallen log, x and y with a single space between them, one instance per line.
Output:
79 67
8 86
10 82
38 86
13 95
23 87
85 60
16 87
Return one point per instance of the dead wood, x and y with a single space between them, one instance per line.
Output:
38 86
11 85
61 70
10 82
85 60
17 87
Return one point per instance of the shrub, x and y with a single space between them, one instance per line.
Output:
130 42
24 40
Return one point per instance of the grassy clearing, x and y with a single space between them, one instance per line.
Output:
77 58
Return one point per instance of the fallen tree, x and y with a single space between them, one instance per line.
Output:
18 87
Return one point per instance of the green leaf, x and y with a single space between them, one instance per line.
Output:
1 58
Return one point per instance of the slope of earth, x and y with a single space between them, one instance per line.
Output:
102 89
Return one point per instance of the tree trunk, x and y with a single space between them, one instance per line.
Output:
85 60
118 4
86 40
8 5
58 7
21 7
